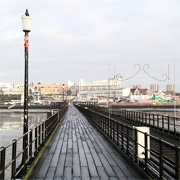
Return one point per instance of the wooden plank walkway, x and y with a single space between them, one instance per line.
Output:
79 152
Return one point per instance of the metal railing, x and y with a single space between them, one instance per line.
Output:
166 124
13 162
160 161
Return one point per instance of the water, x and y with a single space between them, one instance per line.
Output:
11 127
11 123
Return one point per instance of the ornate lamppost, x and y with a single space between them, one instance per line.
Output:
26 23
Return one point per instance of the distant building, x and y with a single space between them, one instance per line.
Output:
170 88
74 90
52 89
70 83
154 87
107 89
11 88
137 91
46 93
137 86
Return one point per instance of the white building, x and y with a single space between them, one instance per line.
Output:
107 89
12 88
137 97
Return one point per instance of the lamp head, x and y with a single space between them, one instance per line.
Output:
26 22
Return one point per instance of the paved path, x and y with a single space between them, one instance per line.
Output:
79 152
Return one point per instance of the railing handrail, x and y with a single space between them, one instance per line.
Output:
42 132
160 164
172 127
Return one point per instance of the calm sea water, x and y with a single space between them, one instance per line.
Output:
11 123
11 127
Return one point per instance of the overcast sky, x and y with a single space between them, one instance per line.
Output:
77 39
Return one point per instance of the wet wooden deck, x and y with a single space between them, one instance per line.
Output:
79 152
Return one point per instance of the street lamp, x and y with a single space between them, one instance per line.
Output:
26 23
63 92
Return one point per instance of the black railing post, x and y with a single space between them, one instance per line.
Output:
42 140
104 125
163 123
2 163
153 121
58 115
146 151
146 119
110 129
107 126
13 169
134 118
117 133
101 123
160 159
139 118
142 115
135 146
177 162
113 131
25 152
122 137
168 125
39 137
158 122
175 126
127 138
30 146
36 142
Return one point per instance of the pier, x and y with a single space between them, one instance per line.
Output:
82 142
79 151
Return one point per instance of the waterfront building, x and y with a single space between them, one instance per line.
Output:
105 89
51 92
137 91
52 89
12 88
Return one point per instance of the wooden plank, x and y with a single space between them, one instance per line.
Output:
83 161
64 147
50 173
85 173
69 143
69 160
119 173
68 173
45 166
54 160
106 165
86 148
91 166
102 173
75 147
96 158
60 166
